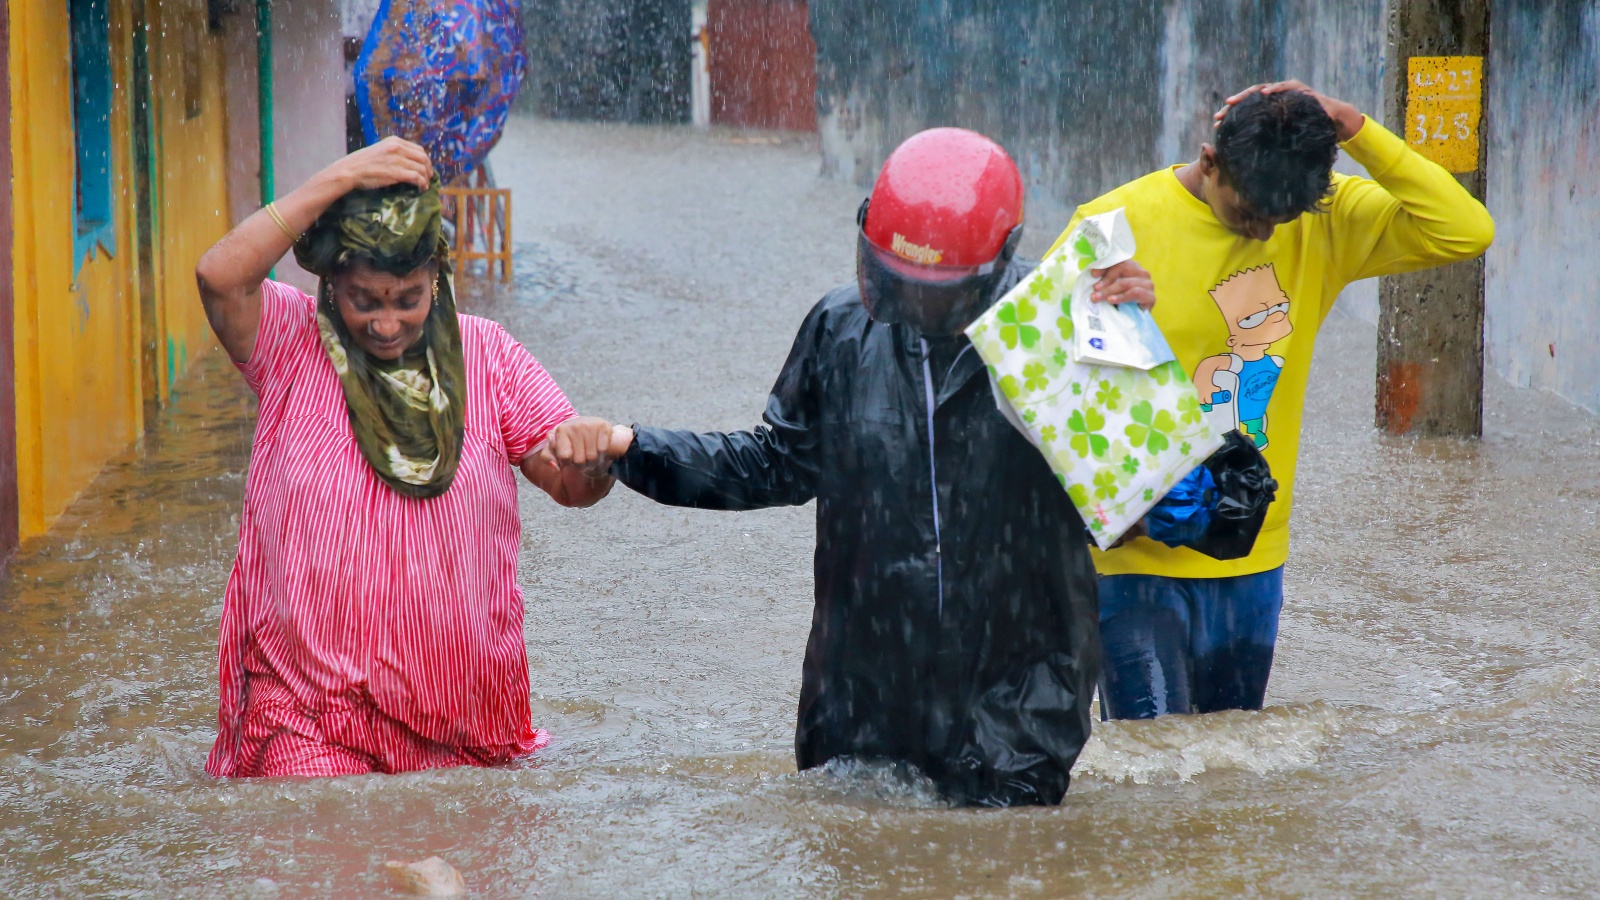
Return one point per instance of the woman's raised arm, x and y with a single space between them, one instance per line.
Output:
230 274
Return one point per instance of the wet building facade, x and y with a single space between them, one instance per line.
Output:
307 108
133 146
763 64
1088 96
8 397
608 60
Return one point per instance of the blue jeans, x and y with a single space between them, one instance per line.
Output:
1187 645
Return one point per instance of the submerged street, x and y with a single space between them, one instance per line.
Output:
1430 726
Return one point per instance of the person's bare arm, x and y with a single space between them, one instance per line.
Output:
573 465
231 273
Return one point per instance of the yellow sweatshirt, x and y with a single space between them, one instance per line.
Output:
1242 315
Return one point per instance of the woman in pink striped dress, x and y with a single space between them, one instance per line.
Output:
373 622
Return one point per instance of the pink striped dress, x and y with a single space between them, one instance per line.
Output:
363 631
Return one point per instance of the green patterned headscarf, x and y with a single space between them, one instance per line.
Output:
408 414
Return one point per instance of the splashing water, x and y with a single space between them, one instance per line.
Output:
1432 711
1179 748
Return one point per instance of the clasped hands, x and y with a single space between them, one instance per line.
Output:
587 444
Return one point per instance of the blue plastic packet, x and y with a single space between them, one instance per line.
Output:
1183 516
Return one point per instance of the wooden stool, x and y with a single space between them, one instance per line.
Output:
482 219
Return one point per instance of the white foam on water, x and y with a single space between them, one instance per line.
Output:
874 781
1179 748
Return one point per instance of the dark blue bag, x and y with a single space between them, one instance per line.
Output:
1184 514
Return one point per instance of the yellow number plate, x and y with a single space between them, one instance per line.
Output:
1444 105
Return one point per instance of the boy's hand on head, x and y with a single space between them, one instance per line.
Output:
1125 282
589 444
1347 120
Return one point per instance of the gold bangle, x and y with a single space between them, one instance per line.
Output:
272 212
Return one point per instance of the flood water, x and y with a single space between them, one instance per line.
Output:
1434 717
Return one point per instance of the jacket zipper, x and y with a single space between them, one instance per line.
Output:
933 473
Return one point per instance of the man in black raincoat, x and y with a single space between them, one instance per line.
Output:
955 625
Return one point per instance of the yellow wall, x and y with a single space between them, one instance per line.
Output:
78 360
191 188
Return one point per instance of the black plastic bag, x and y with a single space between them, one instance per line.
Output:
1233 488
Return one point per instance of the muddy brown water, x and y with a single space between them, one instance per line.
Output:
1434 718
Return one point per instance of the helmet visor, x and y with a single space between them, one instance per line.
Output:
933 299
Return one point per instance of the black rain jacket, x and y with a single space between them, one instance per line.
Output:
956 620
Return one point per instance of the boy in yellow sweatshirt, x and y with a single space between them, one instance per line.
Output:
1248 247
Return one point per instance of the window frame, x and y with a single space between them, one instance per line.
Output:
94 212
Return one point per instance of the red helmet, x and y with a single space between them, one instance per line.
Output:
939 230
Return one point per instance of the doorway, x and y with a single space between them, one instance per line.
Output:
763 64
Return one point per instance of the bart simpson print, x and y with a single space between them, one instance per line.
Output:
1235 387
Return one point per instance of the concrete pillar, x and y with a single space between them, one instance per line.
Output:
1430 323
